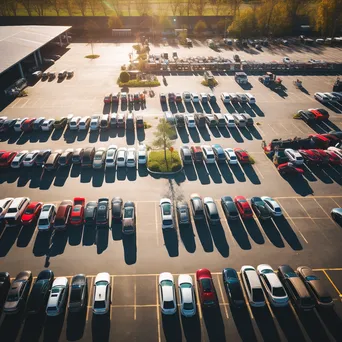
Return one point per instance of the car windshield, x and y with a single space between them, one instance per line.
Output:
43 221
166 283
99 304
258 295
101 283
167 209
12 297
188 306
167 222
206 284
98 156
76 209
169 304
29 211
12 210
76 294
121 159
278 292
129 213
51 308
311 277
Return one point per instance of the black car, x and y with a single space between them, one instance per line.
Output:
77 156
42 157
336 215
229 208
90 212
211 211
233 288
5 284
117 208
259 208
38 124
102 215
180 121
8 124
78 293
183 214
60 123
307 116
40 292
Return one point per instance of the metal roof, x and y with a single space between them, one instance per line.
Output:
17 42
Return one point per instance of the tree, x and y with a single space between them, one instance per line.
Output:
164 22
175 4
39 6
129 2
294 6
93 4
142 6
199 6
116 6
12 7
124 77
200 26
163 133
91 28
244 24
27 4
57 5
328 17
82 5
265 15
115 22
3 8
218 6
235 6
68 5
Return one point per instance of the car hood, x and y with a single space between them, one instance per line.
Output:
10 305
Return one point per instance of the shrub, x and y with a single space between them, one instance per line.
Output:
176 167
200 26
137 47
212 83
154 166
114 22
157 157
124 77
92 56
139 83
147 125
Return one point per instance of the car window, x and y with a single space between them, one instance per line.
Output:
99 304
206 285
267 282
247 282
258 295
166 209
169 304
278 292
128 213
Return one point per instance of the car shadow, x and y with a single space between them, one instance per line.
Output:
243 324
220 240
57 243
287 232
226 173
183 134
204 235
332 321
25 235
254 231
191 328
214 324
334 172
116 230
238 173
224 132
76 323
42 243
202 173
101 239
213 171
257 110
193 132
272 233
215 132
130 248
245 132
89 235
299 184
189 172
10 326
110 175
203 131
254 132
171 327
239 233
171 242
265 323
75 234
33 328
53 328
250 173
320 173
100 327
8 238
187 236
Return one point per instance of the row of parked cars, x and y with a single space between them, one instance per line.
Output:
50 294
211 154
335 97
116 97
207 97
211 120
95 122
100 158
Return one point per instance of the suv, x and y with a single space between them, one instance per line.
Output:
196 205
102 214
252 286
197 154
15 211
294 156
185 154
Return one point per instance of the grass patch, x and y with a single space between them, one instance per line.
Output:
251 160
92 56
157 163
139 83
297 116
212 83
147 125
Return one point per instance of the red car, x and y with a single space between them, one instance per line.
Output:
322 154
334 159
107 99
242 155
6 158
243 207
320 140
31 213
77 211
310 156
320 114
206 289
27 125
289 168
172 97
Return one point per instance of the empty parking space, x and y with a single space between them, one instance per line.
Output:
292 208
124 291
146 290
312 208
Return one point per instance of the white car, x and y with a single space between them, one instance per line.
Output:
250 98
286 60
275 291
121 157
166 211
111 156
208 154
38 123
131 157
142 154
190 120
74 122
336 150
46 217
102 294
337 95
231 156
229 120
186 96
5 203
225 97
30 158
272 206
194 97
99 158
15 211
17 126
167 294
18 159
242 97
331 97
95 122
294 156
58 297
252 285
204 97
321 97
48 125
186 295
84 123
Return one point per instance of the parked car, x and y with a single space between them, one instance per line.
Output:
196 206
58 297
242 155
190 121
208 154
18 124
272 206
211 120
62 215
233 288
37 124
88 157
231 156
307 116
77 211
27 125
336 214
294 156
220 119
186 96
52 163
121 157
77 156
243 207
78 293
117 204
66 157
229 208
102 214
94 122
90 212
131 159
111 154
16 210
5 204
167 294
60 122
259 207
194 97
206 289
5 284
31 213
47 217
102 294
7 158
210 210
186 295
166 210
99 158
42 157
252 285
225 97
129 218
197 154
249 120
321 97
239 120
250 98
142 154
219 153
310 157
74 123
84 123
183 214
18 159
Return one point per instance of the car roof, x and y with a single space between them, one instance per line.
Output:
103 276
60 281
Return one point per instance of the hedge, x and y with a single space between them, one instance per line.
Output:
156 161
137 83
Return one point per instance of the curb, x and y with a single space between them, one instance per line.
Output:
164 173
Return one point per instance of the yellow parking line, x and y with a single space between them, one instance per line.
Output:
156 220
221 292
111 296
332 283
157 308
332 198
135 299
303 208
245 296
90 296
325 212
198 301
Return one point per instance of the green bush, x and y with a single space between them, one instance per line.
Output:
139 83
124 77
156 159
212 83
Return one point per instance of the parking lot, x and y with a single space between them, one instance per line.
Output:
305 235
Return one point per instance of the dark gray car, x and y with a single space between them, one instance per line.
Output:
229 208
90 212
78 293
183 214
117 208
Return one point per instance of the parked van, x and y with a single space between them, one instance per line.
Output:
88 157
15 210
239 120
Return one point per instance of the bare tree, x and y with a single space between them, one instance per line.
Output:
82 5
116 6
12 7
91 28
104 5
129 2
142 6
39 6
68 5
217 6
3 8
93 6
199 6
175 4
57 5
27 4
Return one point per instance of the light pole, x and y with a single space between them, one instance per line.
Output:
225 27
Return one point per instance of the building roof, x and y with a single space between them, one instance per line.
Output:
17 42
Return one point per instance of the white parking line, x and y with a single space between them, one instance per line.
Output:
221 292
273 129
156 221
258 171
90 291
157 308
